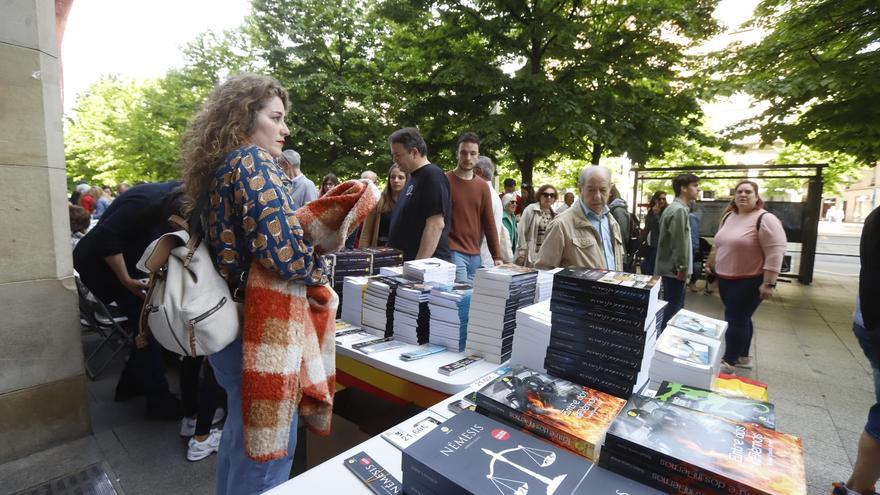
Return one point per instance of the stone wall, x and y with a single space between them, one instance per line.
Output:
43 397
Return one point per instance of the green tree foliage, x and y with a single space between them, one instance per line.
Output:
543 78
842 169
323 53
817 69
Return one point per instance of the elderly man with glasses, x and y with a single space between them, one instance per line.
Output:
586 234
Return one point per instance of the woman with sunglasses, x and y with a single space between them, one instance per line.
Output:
533 225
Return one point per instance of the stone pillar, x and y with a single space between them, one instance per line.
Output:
43 398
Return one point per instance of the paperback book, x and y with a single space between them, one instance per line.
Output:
707 449
471 453
739 409
568 414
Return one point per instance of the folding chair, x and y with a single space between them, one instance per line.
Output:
94 315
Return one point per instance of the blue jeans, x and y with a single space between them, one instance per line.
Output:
466 266
741 298
673 293
236 473
873 425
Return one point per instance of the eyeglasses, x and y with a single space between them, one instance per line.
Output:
548 195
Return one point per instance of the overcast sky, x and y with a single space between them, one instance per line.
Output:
144 39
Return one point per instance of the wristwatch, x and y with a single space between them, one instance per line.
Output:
771 285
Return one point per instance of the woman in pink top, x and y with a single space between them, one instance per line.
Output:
747 257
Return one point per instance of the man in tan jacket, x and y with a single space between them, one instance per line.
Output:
586 234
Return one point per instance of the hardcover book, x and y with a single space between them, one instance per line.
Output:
471 453
708 449
570 415
741 410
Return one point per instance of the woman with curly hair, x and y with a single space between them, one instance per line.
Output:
240 194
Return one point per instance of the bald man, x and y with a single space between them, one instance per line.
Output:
586 234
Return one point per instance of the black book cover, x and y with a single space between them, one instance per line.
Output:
599 316
611 334
473 454
573 362
374 476
602 384
618 306
634 352
608 360
605 283
667 480
568 414
739 409
705 447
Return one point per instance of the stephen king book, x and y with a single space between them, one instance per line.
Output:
708 449
471 453
571 415
737 409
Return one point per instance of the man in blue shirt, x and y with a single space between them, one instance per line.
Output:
585 235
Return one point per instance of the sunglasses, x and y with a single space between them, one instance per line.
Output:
548 195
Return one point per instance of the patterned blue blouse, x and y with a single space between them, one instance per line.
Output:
251 215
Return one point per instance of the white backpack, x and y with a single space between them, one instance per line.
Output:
188 308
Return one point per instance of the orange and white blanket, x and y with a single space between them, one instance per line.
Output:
289 332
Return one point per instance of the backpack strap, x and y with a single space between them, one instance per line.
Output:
724 219
758 223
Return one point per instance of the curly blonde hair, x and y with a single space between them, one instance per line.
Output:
225 121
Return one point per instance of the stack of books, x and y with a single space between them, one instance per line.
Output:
498 293
544 288
351 299
685 357
700 325
604 327
448 306
679 450
391 271
384 257
430 270
567 414
345 263
378 307
471 453
532 336
411 313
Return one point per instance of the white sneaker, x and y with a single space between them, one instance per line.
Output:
744 362
187 427
727 368
199 450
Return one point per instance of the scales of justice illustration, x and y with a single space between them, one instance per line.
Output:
507 486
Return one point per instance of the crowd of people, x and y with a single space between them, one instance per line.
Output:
246 189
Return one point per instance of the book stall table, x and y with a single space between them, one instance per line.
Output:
331 476
386 375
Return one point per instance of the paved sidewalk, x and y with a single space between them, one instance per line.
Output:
818 377
803 348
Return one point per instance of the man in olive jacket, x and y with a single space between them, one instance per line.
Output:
585 234
674 252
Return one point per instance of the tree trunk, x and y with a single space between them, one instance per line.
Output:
596 154
526 166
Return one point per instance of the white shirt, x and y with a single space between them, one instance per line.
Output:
496 211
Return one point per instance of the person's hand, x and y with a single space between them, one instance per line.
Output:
765 291
498 262
521 261
682 275
709 269
137 287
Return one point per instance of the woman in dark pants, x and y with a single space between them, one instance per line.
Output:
651 232
746 257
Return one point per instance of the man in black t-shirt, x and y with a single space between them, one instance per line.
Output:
421 218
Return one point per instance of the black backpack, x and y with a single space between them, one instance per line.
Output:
631 243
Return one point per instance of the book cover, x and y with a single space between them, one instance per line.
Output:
610 284
373 475
698 324
471 453
571 415
680 347
741 410
604 384
708 448
456 367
